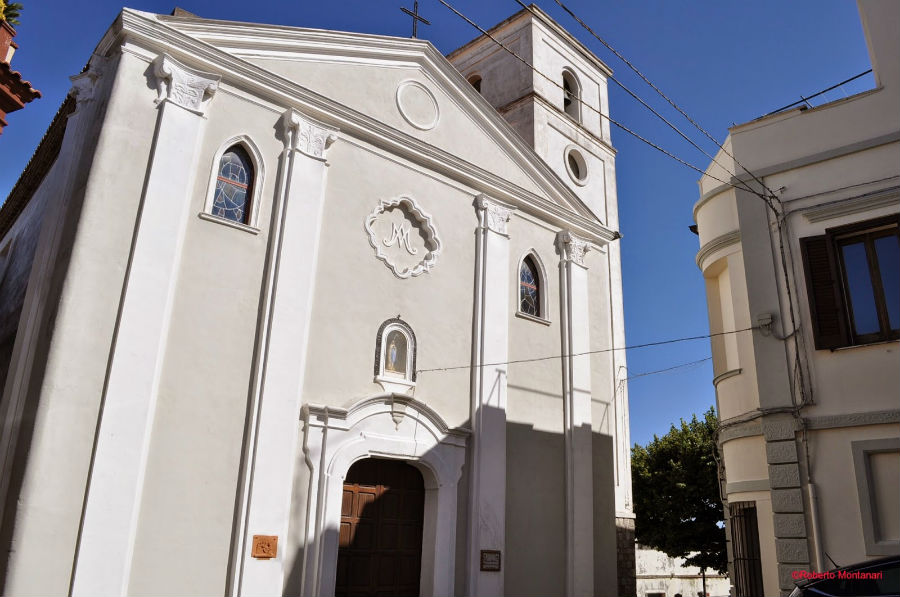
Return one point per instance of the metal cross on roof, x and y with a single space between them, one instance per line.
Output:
414 13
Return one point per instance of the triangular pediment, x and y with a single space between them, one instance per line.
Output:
397 92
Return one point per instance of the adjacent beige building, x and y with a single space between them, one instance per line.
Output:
808 399
283 310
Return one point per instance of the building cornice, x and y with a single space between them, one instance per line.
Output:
720 242
723 376
547 21
317 415
852 205
853 419
566 119
736 428
808 160
157 34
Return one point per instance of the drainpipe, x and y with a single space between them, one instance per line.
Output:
817 534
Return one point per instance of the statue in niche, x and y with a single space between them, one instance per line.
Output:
395 355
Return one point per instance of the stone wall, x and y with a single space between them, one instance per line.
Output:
625 563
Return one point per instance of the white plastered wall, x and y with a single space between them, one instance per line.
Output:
199 426
73 368
838 481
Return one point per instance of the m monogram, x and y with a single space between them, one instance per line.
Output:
400 235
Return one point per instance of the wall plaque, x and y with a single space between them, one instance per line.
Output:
403 237
417 105
490 560
265 547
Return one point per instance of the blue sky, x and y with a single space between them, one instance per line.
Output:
723 61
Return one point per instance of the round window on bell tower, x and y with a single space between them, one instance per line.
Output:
576 166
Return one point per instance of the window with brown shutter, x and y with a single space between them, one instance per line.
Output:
853 283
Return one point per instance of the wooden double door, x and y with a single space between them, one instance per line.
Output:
380 545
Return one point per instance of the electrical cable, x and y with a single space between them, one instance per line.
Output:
657 114
588 106
770 200
804 99
669 100
667 369
836 189
798 381
589 352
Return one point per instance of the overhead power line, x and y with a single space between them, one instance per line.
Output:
809 97
672 103
652 110
667 369
769 197
552 81
589 352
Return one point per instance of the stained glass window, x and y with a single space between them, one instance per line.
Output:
529 288
234 185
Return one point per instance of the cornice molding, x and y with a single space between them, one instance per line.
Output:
546 20
853 205
853 419
560 121
734 429
720 242
802 162
723 376
747 486
335 417
147 30
738 430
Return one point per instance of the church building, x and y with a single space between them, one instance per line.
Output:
288 311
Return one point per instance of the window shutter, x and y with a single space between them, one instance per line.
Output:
824 290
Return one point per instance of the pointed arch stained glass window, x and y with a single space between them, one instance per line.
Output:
234 185
529 288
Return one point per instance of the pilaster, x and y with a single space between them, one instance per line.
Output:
114 492
22 361
281 358
789 516
28 360
487 485
575 333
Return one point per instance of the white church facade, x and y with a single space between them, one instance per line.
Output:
304 312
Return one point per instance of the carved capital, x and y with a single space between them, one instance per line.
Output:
84 84
305 135
571 247
191 89
492 214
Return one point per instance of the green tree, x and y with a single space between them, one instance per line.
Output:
676 494
9 12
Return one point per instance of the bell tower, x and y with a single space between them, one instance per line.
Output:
560 107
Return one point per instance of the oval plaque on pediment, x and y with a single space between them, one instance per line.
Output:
417 105
403 237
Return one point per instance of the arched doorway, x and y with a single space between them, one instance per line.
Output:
380 543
